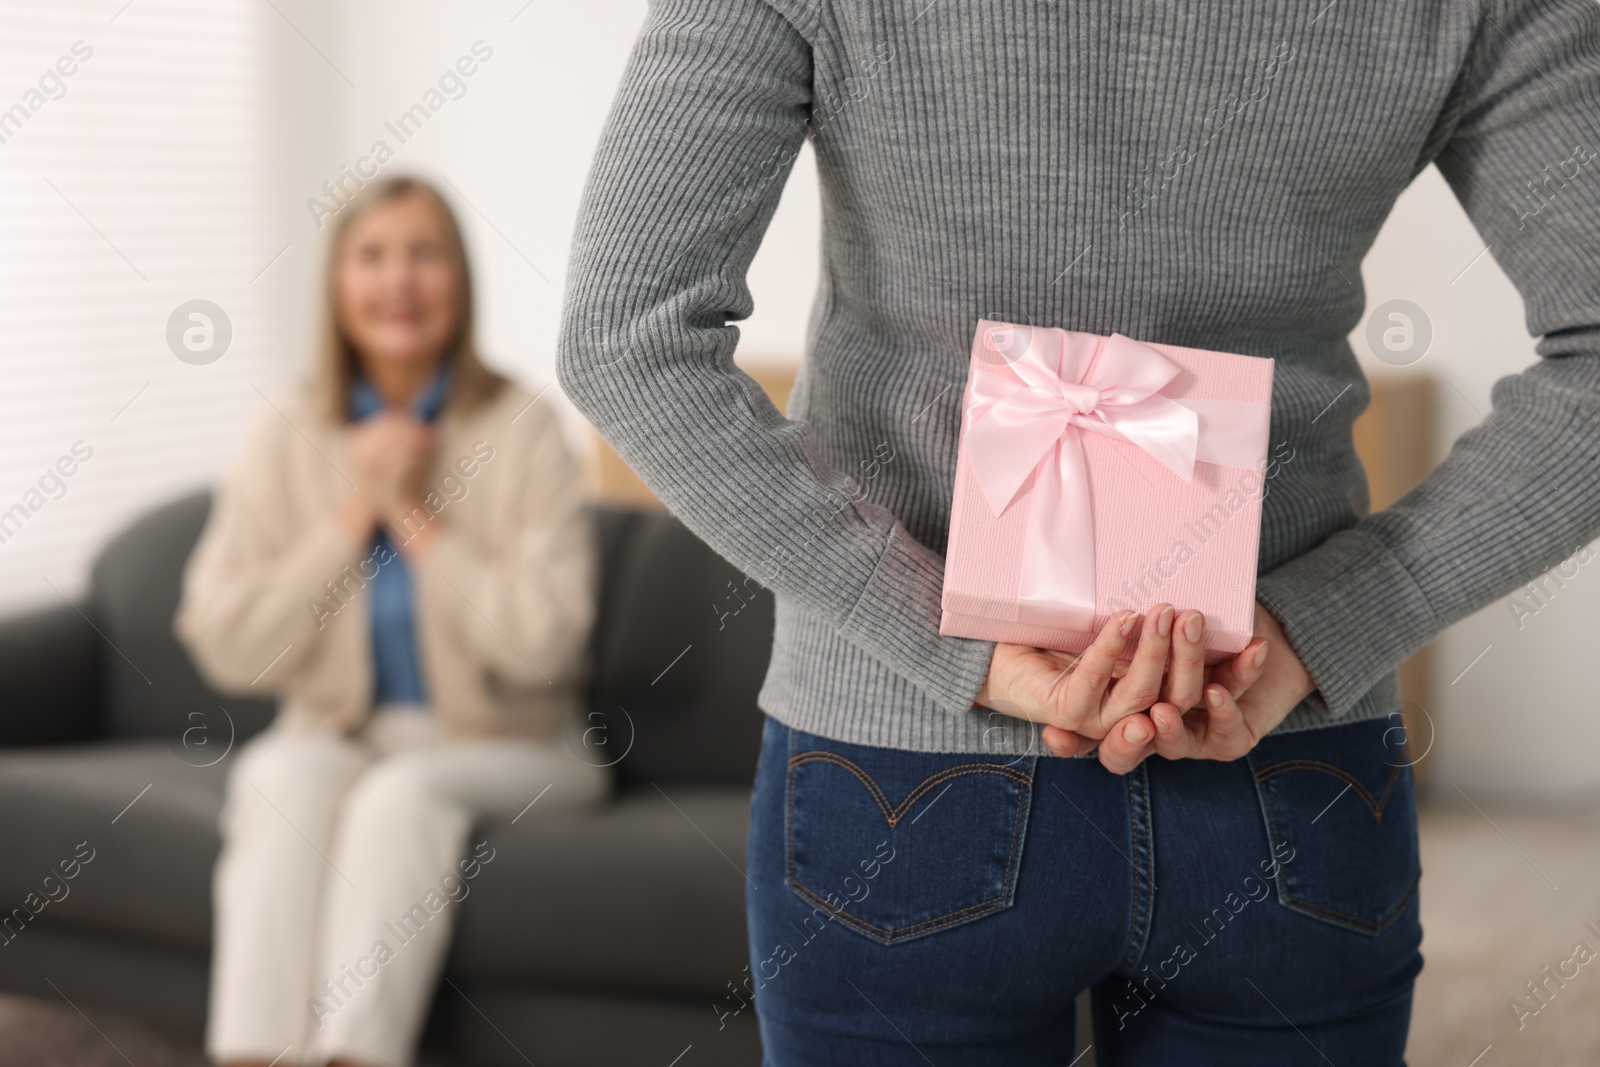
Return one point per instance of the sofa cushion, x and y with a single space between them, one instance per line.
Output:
50 663
644 892
150 871
151 687
682 648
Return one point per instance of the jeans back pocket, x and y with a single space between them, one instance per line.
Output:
897 845
1340 810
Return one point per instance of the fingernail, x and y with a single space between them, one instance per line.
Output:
1195 628
1129 620
1054 746
1164 723
1214 697
1261 654
1136 732
1164 623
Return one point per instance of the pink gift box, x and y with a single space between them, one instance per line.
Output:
1102 473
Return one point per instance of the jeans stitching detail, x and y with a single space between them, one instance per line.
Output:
1280 882
1133 911
949 918
1371 926
788 809
1322 911
897 812
1374 804
952 918
1140 837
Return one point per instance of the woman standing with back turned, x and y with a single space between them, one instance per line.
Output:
1201 175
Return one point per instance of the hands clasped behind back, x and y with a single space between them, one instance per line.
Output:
1163 700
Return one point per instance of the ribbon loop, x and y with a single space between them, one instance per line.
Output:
1066 383
1015 425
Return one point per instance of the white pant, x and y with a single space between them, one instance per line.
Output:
334 845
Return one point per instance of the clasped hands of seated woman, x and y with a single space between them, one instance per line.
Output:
1163 700
392 452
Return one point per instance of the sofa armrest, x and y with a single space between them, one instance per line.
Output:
50 674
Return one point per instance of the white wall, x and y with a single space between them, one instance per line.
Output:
1524 719
518 145
512 154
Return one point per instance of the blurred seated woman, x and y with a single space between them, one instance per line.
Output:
402 555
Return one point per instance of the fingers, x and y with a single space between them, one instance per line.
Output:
1186 674
1066 743
1141 686
1177 736
1084 697
1218 732
1128 743
396 431
1227 736
1242 671
1093 671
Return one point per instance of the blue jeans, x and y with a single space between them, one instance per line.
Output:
914 908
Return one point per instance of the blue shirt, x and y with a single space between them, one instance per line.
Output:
396 668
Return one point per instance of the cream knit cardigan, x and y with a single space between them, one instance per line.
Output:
274 595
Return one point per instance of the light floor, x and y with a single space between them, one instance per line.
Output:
1504 894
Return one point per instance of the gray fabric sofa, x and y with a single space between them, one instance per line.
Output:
592 939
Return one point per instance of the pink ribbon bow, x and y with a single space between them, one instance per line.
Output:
1016 428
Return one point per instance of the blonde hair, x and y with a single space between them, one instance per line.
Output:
471 383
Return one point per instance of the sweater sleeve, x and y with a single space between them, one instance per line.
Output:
248 586
1520 492
522 609
711 112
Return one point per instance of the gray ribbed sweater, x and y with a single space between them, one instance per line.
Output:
1208 175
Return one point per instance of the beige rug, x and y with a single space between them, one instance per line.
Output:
43 1033
1504 895
38 1033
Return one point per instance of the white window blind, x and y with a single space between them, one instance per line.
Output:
128 187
